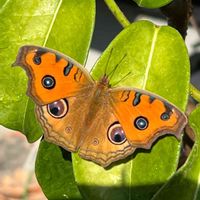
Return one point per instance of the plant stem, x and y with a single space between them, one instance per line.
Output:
195 93
114 8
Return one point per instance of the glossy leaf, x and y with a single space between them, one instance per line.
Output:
53 23
67 39
184 184
64 26
20 24
158 61
152 3
55 173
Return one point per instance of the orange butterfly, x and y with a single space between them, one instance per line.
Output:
102 123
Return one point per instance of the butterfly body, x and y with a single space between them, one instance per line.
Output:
101 123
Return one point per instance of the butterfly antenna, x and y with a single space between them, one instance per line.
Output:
106 67
128 74
110 75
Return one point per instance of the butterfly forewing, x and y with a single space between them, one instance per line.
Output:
52 75
145 116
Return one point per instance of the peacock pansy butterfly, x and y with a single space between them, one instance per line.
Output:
101 123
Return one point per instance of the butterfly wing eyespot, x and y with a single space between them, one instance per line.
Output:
141 123
116 134
48 82
58 109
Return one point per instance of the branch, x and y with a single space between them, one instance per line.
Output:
114 8
178 13
195 93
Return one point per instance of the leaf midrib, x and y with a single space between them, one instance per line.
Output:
156 30
4 5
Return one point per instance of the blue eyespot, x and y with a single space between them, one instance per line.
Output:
48 82
141 123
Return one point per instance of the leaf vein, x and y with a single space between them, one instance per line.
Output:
52 22
150 57
4 5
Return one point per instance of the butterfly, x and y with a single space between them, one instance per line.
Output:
102 123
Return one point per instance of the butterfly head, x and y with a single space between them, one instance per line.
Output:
105 81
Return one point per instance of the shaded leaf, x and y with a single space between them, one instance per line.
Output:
184 184
55 173
158 61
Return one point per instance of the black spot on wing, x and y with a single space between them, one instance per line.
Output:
58 57
136 100
168 112
41 51
68 68
168 108
125 96
37 58
151 99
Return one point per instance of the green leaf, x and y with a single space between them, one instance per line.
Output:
152 3
66 26
71 33
158 61
55 173
62 25
20 24
184 184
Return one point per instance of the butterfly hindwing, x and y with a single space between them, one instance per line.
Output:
86 127
104 141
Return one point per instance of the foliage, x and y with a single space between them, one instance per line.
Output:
158 60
